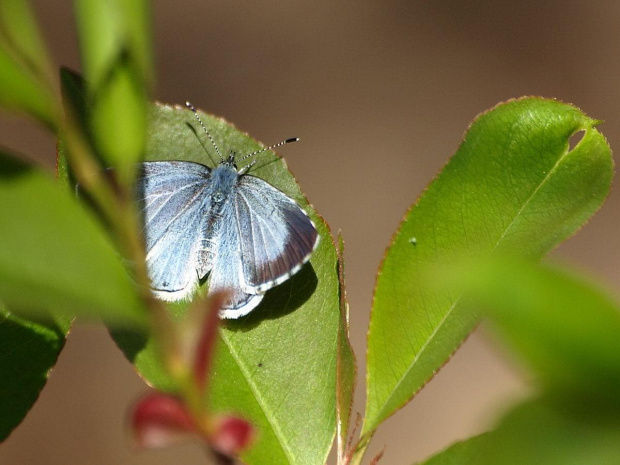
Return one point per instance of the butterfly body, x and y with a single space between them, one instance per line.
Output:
242 233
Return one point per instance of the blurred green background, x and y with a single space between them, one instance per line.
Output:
380 93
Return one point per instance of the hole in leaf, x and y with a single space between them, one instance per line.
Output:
575 139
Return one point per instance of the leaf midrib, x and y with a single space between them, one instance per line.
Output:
275 426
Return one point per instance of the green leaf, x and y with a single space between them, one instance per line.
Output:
115 45
26 77
100 29
20 33
109 29
466 452
277 366
513 185
29 351
119 121
548 432
54 255
20 90
566 329
137 26
345 364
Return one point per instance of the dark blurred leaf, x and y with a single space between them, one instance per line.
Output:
513 185
73 89
29 351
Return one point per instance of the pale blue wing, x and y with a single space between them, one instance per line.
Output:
227 271
276 236
173 197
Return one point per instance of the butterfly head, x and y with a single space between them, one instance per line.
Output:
230 161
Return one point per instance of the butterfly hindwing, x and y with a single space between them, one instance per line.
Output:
227 271
173 200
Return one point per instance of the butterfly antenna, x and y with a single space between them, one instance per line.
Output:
191 107
279 144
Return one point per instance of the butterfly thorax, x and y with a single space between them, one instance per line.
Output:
223 181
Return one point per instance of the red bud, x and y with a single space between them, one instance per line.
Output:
159 420
231 435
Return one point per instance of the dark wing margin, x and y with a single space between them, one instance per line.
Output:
276 235
171 200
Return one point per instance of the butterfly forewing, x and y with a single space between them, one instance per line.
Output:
173 200
276 235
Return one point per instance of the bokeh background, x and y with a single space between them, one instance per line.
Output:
380 93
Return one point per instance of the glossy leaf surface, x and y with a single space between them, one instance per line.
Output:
513 185
277 366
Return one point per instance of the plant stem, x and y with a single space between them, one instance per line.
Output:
360 449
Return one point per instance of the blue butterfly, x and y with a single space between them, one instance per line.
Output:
240 230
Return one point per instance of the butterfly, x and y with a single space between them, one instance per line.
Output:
238 229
